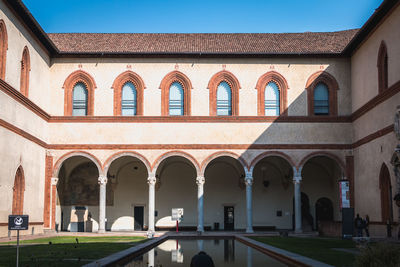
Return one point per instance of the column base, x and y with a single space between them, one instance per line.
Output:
101 231
150 234
249 230
298 231
200 229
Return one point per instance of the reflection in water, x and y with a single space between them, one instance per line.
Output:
228 252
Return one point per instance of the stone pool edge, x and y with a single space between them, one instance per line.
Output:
130 252
286 257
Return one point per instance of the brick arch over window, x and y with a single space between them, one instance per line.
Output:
229 78
386 194
262 82
330 81
182 79
3 49
70 82
18 192
25 69
382 65
119 82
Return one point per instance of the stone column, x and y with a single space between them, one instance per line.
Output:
249 257
297 200
102 203
249 202
151 180
151 258
53 202
200 203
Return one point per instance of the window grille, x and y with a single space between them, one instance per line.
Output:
128 100
321 99
79 100
272 101
176 99
224 99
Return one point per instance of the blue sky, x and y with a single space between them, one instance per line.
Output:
187 16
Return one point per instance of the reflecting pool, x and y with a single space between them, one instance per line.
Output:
224 252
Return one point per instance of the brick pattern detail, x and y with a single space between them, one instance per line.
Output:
25 69
53 206
3 48
119 82
47 190
331 83
228 77
175 76
283 87
350 177
18 192
72 79
382 65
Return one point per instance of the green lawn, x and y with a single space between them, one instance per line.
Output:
65 251
316 248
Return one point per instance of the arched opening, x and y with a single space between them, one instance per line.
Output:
25 68
127 179
382 64
320 183
224 194
176 188
18 192
129 100
323 210
77 206
3 49
272 193
386 194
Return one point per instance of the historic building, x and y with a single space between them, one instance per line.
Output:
109 132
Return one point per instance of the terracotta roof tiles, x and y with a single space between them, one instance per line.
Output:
204 43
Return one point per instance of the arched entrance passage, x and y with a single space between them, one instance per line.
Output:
386 194
320 179
324 209
18 192
224 194
127 175
176 188
77 208
272 193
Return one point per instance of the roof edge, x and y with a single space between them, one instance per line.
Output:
372 23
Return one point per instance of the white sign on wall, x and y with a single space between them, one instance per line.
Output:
344 188
177 214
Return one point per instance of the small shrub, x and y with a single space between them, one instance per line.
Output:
378 255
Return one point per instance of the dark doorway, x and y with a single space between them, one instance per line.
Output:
138 214
229 218
323 210
307 221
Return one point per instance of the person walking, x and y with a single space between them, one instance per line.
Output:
358 223
366 225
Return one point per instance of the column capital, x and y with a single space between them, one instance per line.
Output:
200 180
297 175
151 180
54 180
102 180
248 181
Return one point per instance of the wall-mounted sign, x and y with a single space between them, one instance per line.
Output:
18 222
177 214
344 189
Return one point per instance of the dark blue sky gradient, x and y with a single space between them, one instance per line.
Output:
186 16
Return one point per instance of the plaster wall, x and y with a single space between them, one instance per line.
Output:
364 71
199 71
39 75
17 151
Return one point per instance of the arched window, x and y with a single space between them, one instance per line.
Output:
3 49
176 99
322 90
84 98
321 99
386 194
128 99
18 192
25 68
272 102
224 94
382 68
79 100
175 94
224 99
